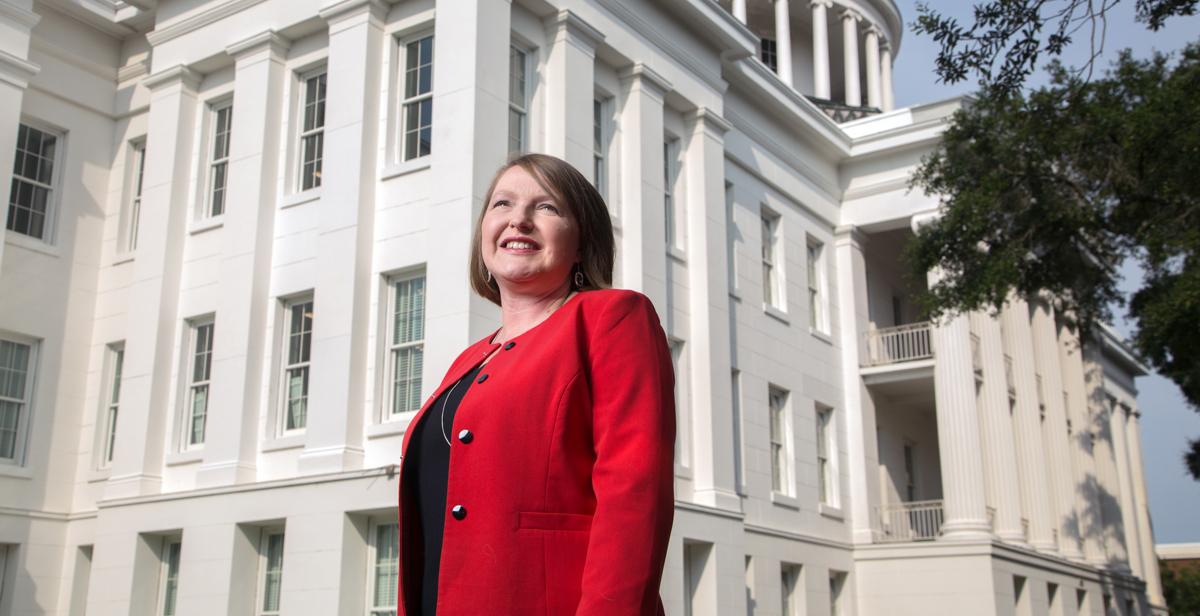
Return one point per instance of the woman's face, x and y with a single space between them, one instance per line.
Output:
530 240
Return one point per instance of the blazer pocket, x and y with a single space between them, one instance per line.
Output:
539 520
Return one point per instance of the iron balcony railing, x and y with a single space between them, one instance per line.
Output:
911 521
892 345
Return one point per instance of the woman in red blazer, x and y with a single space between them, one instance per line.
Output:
538 479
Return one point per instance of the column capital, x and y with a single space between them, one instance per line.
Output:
850 14
920 219
346 9
175 75
568 23
641 75
850 234
869 28
828 4
267 40
709 121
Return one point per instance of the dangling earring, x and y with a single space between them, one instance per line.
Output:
579 279
489 274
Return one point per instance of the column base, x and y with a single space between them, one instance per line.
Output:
1013 536
967 530
229 472
330 460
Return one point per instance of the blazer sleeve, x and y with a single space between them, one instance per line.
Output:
633 423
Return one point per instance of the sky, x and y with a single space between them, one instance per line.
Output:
1167 421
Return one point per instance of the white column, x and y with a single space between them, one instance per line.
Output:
850 57
570 89
739 10
1104 452
885 76
871 47
333 439
862 446
1133 438
713 480
1118 417
643 224
995 418
1057 443
783 40
1027 427
820 49
231 441
1090 489
153 323
470 132
16 71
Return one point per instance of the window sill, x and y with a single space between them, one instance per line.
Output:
820 335
776 314
124 257
18 472
783 500
207 224
291 441
677 254
31 243
395 426
178 458
300 198
396 170
830 511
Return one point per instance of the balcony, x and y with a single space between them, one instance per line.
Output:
915 521
841 112
894 345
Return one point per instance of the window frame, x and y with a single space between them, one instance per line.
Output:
521 110
285 364
263 569
779 418
672 151
301 134
769 57
828 486
818 297
114 360
25 410
403 101
135 182
602 125
53 188
373 542
165 578
190 385
770 240
790 588
217 157
678 349
390 347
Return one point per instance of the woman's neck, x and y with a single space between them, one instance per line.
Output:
520 313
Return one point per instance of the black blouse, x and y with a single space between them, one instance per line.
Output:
430 454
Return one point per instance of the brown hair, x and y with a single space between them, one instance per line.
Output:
571 189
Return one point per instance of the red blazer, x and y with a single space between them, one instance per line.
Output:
567 479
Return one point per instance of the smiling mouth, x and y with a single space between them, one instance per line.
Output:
519 245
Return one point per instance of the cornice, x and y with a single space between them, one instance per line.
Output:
267 39
134 70
708 120
704 71
17 71
158 36
347 8
19 16
645 75
568 22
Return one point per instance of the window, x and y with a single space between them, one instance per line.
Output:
789 583
135 202
826 480
16 380
682 416
298 345
772 293
218 167
417 106
270 572
735 389
312 130
816 282
385 570
407 343
168 583
768 53
600 138
670 175
112 399
837 581
781 477
32 193
199 373
518 99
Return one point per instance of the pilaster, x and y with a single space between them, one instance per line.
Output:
570 89
345 236
230 449
713 480
643 224
153 323
862 445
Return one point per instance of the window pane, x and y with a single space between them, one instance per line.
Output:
386 567
10 415
199 410
297 398
273 575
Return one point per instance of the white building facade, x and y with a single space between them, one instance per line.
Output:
234 263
